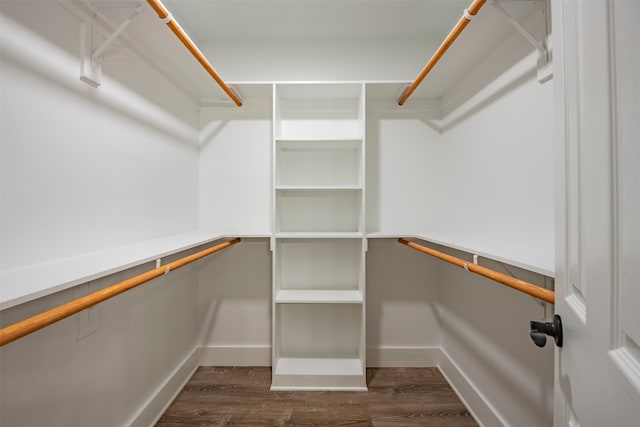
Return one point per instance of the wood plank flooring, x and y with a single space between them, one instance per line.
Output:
225 396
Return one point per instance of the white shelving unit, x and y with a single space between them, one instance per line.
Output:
319 244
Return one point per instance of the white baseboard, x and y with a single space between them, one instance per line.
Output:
159 401
481 410
402 357
235 356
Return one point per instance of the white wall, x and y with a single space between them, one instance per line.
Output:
485 333
55 377
402 305
497 185
234 306
85 169
403 172
498 180
235 169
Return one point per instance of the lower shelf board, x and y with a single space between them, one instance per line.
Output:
318 366
326 373
319 296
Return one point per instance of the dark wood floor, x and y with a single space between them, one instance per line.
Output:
221 396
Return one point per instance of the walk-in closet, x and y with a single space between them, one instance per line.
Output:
367 212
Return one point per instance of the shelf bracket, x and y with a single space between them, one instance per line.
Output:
100 50
91 61
90 70
544 69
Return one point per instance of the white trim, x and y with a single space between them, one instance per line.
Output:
480 408
402 357
235 356
159 401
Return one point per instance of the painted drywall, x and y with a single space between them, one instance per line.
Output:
497 174
403 172
402 294
234 305
485 333
337 60
58 377
86 169
235 169
497 185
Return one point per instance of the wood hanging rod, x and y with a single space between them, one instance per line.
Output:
541 293
46 318
167 18
469 13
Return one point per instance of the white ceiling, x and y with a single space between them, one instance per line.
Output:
304 20
223 20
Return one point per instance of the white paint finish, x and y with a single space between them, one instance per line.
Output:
496 182
27 283
235 356
305 163
409 357
111 376
234 296
346 40
626 66
95 171
595 134
222 20
485 333
319 333
157 404
311 331
294 60
235 171
473 400
402 290
318 210
529 258
319 264
402 162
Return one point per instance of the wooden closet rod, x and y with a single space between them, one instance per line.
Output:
46 318
543 294
469 13
167 18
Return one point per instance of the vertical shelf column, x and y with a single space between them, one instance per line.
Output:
318 253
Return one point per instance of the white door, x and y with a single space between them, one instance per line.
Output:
596 47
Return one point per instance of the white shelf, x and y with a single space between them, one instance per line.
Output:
326 111
289 296
319 264
319 366
318 211
318 187
27 283
522 256
319 162
319 235
314 140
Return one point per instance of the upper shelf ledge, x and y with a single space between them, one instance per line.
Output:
23 284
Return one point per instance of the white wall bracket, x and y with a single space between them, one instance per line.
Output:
91 61
90 69
544 66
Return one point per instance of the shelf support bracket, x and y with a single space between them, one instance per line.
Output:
544 73
91 61
100 50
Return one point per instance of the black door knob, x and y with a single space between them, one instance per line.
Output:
540 330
